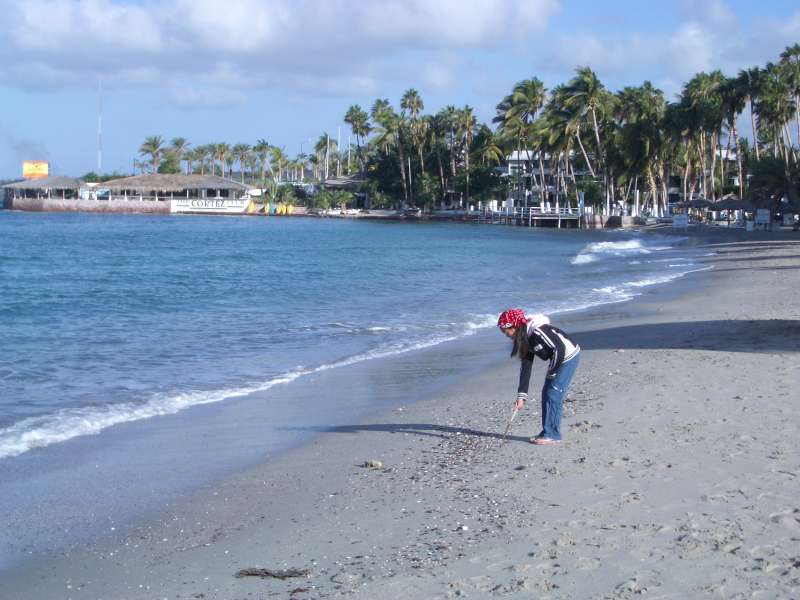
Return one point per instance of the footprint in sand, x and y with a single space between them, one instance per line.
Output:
789 519
587 563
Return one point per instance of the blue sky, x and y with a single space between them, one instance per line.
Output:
287 70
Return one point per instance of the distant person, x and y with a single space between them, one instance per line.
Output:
535 336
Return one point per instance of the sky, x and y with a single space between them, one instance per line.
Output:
287 70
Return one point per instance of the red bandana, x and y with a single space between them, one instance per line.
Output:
513 317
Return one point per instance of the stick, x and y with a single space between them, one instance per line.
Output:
508 427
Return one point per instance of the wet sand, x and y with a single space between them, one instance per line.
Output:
678 476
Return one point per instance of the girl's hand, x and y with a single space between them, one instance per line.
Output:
519 404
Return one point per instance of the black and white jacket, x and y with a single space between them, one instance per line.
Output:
548 343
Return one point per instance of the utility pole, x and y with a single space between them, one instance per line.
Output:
327 152
338 152
99 126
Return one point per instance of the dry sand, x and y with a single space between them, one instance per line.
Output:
679 476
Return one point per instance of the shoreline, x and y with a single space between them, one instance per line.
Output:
438 453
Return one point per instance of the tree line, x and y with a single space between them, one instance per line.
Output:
578 135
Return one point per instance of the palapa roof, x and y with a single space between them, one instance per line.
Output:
733 203
697 203
172 183
46 183
345 182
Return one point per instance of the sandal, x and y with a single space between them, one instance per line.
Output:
543 441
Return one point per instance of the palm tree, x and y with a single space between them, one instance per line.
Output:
240 152
775 108
302 164
488 146
517 112
790 62
180 147
438 133
389 136
379 107
153 147
586 94
358 120
261 151
554 134
222 153
466 128
412 103
450 120
278 160
733 102
749 81
641 112
208 154
190 157
703 100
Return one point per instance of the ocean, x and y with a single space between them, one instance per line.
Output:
152 353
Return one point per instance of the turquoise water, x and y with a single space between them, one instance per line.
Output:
112 319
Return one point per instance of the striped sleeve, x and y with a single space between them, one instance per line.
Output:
525 369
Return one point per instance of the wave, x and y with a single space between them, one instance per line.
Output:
626 291
66 424
599 250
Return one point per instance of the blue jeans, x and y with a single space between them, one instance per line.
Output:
553 392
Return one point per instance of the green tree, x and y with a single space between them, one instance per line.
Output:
153 147
734 98
359 123
790 62
241 152
222 153
389 138
170 165
411 103
466 129
641 112
180 147
261 151
775 108
749 82
278 160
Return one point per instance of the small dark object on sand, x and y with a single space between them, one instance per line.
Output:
372 464
274 573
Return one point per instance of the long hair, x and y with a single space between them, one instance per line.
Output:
522 344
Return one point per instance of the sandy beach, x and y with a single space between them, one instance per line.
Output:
679 476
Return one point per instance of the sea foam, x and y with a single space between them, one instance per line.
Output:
600 250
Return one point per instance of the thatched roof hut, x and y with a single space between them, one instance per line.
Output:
697 203
46 183
163 183
346 182
733 203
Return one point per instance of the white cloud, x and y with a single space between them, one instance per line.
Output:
333 46
51 26
454 22
189 98
709 36
691 49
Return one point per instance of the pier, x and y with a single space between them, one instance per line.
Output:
533 216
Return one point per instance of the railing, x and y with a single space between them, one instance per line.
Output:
533 212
